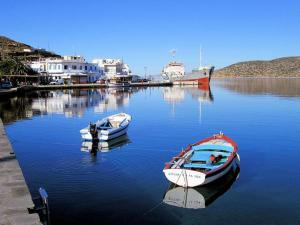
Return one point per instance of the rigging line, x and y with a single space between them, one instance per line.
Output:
147 212
153 208
157 205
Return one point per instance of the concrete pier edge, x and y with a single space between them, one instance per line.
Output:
15 197
12 91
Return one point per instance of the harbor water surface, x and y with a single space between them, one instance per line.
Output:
123 182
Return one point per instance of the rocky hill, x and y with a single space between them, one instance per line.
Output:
10 48
281 67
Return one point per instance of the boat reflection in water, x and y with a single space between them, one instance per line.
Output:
177 94
105 146
200 197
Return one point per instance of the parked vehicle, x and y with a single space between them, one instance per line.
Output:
6 85
101 81
57 82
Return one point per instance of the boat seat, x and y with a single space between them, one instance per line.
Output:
200 166
114 123
213 147
215 153
201 156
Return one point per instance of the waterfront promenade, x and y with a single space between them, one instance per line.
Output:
15 197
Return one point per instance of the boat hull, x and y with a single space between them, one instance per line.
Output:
202 82
200 77
192 178
105 136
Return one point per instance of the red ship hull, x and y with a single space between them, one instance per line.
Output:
202 82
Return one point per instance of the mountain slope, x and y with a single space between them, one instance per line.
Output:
281 67
10 48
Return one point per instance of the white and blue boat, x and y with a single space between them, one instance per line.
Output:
108 128
203 162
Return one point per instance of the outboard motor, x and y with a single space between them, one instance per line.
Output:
95 140
94 131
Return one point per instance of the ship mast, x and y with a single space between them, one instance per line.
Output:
200 56
173 53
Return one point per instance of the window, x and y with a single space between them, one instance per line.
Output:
54 66
49 67
80 67
91 68
85 67
58 67
74 67
65 67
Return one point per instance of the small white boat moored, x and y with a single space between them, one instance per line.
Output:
108 128
203 162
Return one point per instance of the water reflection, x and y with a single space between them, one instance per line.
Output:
16 108
105 146
114 98
177 94
200 197
75 102
68 102
288 87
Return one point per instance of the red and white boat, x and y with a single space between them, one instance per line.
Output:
203 162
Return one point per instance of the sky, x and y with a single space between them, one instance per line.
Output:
143 32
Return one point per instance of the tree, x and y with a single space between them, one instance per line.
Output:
13 66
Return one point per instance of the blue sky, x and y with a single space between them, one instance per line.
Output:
143 32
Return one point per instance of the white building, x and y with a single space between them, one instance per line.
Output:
112 67
70 68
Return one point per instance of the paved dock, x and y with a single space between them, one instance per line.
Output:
12 91
15 197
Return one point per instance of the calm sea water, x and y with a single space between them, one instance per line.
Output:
123 182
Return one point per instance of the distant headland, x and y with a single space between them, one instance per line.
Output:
281 67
